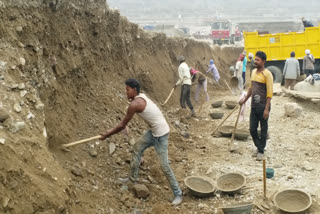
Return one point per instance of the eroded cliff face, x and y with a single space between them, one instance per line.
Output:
95 51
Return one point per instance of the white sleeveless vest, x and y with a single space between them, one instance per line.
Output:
153 117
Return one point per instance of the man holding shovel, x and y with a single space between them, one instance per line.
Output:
261 91
185 82
157 136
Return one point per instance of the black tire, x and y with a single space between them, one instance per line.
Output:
276 73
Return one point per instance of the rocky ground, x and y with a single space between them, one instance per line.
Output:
292 150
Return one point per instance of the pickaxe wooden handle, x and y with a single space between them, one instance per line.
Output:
81 141
172 90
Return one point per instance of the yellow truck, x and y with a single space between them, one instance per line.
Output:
279 46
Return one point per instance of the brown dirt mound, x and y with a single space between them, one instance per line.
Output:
96 50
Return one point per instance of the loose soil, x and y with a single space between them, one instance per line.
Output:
96 51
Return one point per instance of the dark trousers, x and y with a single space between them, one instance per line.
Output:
185 96
256 116
244 78
309 72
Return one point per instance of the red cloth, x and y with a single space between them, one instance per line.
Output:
193 71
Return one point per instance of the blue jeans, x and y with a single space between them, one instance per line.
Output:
161 146
244 78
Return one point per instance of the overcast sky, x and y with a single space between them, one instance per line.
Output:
144 9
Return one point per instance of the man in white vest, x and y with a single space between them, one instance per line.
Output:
157 136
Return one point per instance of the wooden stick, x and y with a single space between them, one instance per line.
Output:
172 90
224 120
81 141
264 179
235 129
228 87
201 106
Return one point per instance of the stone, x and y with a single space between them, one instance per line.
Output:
17 107
1 77
178 159
292 110
14 86
93 153
141 191
2 65
17 126
290 177
23 93
150 179
132 142
22 61
20 45
76 172
40 106
19 29
112 148
119 161
30 116
2 141
185 134
307 166
3 116
5 202
21 86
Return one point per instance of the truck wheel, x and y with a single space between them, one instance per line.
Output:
276 73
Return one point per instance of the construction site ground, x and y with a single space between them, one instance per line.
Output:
96 50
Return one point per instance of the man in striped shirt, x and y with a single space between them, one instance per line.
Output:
261 91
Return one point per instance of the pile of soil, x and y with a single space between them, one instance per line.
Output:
95 51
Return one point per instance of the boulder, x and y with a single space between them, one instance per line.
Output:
141 191
3 116
17 108
292 110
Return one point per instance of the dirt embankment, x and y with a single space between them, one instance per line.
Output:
95 50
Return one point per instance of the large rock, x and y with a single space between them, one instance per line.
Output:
141 191
112 148
17 126
22 61
2 141
17 108
3 116
292 110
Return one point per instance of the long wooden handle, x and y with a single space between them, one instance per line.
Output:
234 130
201 106
264 179
235 126
228 87
224 120
81 141
172 90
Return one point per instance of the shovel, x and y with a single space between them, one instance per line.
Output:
265 203
224 120
231 145
66 146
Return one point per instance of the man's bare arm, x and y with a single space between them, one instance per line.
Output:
136 106
243 101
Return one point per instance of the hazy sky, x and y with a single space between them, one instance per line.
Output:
291 9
